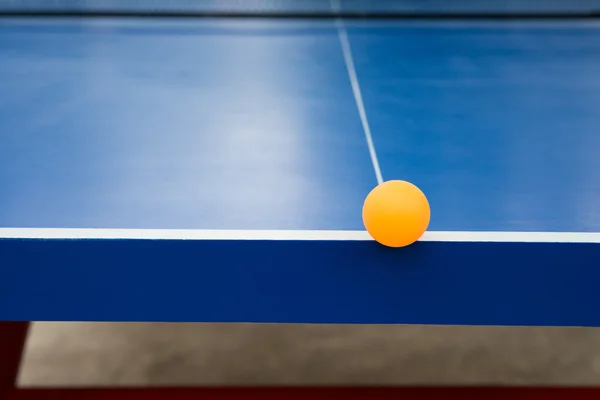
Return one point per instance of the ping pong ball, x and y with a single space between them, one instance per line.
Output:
396 213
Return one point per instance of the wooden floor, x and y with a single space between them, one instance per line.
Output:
212 354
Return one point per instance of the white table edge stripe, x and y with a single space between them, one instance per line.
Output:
315 235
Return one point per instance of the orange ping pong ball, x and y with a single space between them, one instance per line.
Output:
396 213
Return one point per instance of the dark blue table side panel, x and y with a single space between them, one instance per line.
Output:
153 124
496 122
300 281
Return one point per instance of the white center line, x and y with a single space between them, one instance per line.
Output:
347 52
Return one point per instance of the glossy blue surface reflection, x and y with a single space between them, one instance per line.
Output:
227 125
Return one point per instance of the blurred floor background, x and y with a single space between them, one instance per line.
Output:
73 354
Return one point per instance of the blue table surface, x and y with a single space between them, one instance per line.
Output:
252 125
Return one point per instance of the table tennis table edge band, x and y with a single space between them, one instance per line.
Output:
302 235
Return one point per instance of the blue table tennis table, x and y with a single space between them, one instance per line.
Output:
215 171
